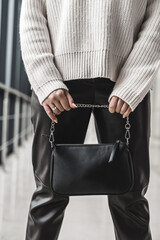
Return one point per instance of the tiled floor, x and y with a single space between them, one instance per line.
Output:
85 218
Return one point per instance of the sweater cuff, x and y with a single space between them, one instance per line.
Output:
128 96
43 91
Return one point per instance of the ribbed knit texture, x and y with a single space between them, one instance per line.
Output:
74 39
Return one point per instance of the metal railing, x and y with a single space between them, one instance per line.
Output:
23 115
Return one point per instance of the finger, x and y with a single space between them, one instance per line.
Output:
113 104
56 111
62 99
126 114
70 99
119 105
58 106
50 113
124 108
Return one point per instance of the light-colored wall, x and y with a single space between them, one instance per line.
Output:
155 105
155 123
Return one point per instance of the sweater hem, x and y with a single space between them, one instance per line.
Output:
88 64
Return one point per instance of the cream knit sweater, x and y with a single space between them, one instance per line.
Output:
71 39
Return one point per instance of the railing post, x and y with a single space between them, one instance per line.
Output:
23 121
4 127
16 123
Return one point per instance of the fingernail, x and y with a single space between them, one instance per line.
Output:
56 121
74 105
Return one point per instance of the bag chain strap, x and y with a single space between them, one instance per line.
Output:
127 125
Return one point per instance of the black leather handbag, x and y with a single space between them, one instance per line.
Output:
91 169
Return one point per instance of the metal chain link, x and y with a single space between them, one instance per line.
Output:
127 125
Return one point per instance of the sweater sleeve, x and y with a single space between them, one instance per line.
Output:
138 72
36 49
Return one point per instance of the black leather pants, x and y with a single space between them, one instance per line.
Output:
130 212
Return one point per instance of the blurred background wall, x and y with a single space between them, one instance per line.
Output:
155 122
14 87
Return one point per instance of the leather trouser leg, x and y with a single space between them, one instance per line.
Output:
46 210
130 212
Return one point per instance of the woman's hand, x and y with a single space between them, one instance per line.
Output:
116 104
59 98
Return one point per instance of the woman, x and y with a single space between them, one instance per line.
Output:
102 51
